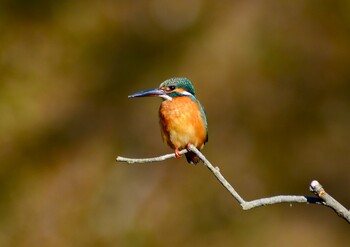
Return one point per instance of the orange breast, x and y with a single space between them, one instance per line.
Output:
182 123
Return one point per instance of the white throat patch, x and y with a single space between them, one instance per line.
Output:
165 97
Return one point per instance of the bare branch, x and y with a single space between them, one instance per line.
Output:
322 198
148 160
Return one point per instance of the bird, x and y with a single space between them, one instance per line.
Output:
182 118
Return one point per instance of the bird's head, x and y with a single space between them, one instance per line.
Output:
169 89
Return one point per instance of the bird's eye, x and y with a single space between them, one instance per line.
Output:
172 87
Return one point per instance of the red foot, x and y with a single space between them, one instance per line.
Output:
177 153
188 146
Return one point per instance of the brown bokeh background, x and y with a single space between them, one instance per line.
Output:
274 77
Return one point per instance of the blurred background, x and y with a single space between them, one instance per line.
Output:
274 77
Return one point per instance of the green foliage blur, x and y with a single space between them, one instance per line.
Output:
274 77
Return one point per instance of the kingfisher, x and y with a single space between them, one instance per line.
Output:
182 118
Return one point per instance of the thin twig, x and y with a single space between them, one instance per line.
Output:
322 198
148 160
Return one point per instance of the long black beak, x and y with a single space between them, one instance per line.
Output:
147 93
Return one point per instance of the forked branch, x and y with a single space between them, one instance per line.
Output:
321 198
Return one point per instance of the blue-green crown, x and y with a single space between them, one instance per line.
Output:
179 82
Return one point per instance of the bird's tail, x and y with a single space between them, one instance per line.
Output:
192 158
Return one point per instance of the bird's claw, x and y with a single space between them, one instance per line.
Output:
177 153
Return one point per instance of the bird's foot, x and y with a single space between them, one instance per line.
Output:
177 153
188 146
